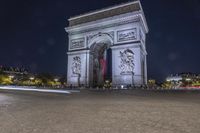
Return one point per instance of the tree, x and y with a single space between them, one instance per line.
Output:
5 79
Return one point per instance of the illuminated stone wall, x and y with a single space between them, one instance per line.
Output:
124 33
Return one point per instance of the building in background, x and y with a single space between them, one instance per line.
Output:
14 70
22 77
183 80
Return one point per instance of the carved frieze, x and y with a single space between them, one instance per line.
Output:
126 35
90 37
127 61
76 66
77 43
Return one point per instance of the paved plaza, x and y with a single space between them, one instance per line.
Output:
100 112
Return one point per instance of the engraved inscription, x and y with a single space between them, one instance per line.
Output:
126 35
77 43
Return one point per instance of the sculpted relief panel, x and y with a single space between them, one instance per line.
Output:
127 35
76 65
77 43
127 61
92 36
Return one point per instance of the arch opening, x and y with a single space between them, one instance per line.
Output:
100 63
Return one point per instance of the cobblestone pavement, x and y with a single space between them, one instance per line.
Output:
100 112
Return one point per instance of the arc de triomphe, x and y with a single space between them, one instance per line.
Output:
108 44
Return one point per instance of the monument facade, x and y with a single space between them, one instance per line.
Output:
108 44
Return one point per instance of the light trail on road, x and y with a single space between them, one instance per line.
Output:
35 90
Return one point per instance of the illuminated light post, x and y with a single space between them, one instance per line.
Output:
31 78
56 80
11 76
122 87
188 79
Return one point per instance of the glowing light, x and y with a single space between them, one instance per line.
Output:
34 90
56 79
32 78
11 76
188 79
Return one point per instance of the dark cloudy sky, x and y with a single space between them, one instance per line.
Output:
32 33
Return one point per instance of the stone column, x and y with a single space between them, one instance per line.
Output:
74 75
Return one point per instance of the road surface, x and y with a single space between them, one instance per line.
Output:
100 112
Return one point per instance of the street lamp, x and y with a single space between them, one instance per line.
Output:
56 80
188 79
11 76
31 78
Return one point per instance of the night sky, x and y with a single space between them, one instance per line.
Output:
32 34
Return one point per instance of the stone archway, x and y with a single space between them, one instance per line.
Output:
118 32
100 60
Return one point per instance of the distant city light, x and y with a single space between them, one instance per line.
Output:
56 79
188 79
32 78
11 76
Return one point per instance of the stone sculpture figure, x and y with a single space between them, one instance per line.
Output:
127 61
76 65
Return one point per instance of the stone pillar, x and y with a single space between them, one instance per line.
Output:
127 66
78 68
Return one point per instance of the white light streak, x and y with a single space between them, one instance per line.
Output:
35 90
